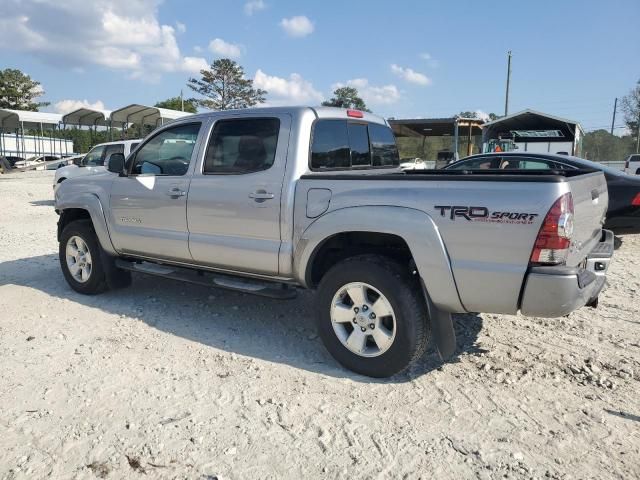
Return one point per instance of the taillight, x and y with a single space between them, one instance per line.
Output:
354 113
554 237
636 200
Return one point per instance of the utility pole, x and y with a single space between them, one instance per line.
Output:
506 97
638 134
613 120
182 100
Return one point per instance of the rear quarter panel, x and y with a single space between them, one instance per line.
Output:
488 259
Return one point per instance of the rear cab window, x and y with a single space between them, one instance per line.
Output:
345 144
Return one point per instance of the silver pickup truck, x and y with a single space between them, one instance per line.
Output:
266 201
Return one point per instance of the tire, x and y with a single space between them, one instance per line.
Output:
94 281
408 321
638 171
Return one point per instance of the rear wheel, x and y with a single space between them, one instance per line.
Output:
372 316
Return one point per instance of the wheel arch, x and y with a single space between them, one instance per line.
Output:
412 233
87 206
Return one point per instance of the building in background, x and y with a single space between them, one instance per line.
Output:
531 131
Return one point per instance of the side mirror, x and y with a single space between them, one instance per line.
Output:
77 161
115 163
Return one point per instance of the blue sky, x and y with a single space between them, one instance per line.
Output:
409 59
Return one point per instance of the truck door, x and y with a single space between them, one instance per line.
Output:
233 208
149 206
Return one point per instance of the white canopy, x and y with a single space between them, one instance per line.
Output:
12 119
144 115
88 117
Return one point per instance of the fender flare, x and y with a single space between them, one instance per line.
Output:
91 203
415 227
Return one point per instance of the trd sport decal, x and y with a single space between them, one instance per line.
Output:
481 214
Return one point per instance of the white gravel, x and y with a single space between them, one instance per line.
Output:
178 381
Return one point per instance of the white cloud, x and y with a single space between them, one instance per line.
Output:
181 27
282 91
78 34
410 75
194 64
429 59
253 6
225 49
299 26
371 94
66 106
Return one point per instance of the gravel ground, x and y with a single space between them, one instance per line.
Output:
178 381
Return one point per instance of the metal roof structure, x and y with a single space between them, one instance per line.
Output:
87 117
145 115
434 127
531 120
13 119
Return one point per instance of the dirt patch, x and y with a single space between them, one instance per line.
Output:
185 382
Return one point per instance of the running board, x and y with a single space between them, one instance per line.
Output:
280 291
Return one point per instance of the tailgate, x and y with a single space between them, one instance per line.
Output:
590 201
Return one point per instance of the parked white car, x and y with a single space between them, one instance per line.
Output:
33 161
95 160
632 164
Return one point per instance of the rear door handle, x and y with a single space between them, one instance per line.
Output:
261 195
176 192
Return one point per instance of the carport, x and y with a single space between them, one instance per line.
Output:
88 117
532 131
145 116
458 129
17 121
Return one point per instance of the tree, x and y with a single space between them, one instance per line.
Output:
18 91
469 114
346 97
225 87
631 110
175 103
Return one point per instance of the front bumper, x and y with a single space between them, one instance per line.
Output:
557 291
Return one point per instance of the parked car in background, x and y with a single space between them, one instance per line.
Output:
63 162
33 161
13 160
623 214
94 161
632 164
268 199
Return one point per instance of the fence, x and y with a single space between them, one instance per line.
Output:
29 145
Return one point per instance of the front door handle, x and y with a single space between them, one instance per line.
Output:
176 192
261 195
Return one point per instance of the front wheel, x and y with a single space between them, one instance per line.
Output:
80 258
372 315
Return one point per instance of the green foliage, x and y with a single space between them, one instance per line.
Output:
600 146
18 91
346 97
225 87
175 103
469 114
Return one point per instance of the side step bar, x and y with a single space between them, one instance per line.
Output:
280 291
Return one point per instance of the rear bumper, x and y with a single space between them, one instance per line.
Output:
557 291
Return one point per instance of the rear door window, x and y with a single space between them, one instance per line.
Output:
342 144
482 163
242 146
